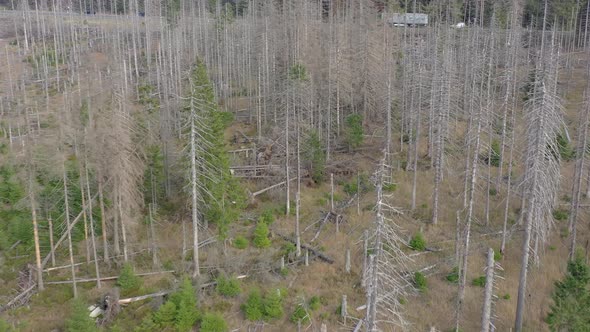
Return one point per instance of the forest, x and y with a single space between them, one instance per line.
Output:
294 165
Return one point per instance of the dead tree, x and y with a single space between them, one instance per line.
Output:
486 317
386 281
544 119
579 170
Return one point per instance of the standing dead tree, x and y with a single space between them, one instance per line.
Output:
579 169
386 283
542 175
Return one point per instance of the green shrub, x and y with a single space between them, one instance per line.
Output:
128 281
495 154
299 315
354 131
453 277
571 299
560 214
288 248
315 303
418 242
79 320
420 281
267 217
11 190
284 271
166 314
253 308
241 242
479 281
315 157
5 327
147 325
258 308
389 187
297 72
261 239
186 303
351 188
493 192
273 305
506 296
497 255
566 151
213 322
228 287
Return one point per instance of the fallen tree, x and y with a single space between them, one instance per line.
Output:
315 252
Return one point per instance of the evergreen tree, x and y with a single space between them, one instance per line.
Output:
571 308
185 301
127 280
261 239
79 320
315 156
222 193
213 323
166 314
253 308
11 191
273 305
354 131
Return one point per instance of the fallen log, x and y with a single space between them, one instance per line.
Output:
312 250
14 245
105 278
143 297
333 214
62 267
17 298
358 326
162 293
262 191
317 234
213 283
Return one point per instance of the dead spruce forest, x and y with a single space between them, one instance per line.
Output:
295 165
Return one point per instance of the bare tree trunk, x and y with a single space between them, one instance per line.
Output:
51 240
331 192
288 184
103 221
486 323
35 232
67 217
83 197
154 246
93 239
196 270
123 231
578 173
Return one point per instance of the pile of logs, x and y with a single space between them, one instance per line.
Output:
26 286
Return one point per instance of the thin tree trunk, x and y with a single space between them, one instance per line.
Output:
51 240
93 239
69 232
36 233
486 323
196 270
103 221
